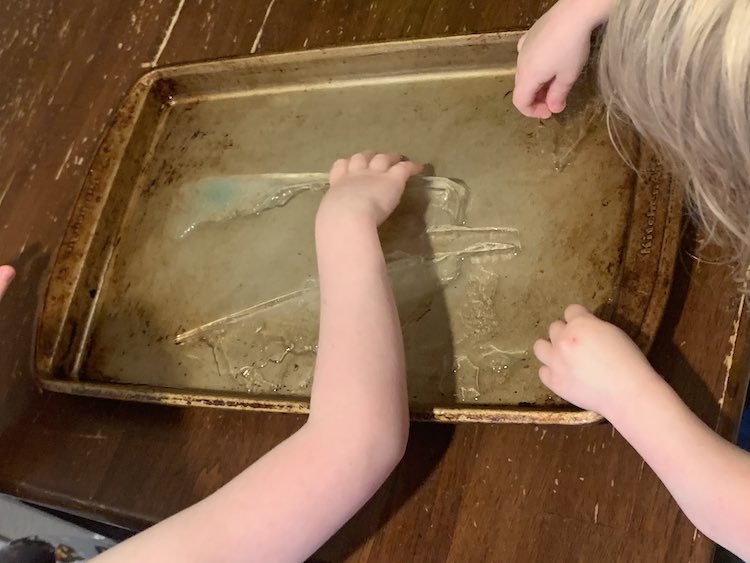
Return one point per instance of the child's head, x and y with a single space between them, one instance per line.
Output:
680 71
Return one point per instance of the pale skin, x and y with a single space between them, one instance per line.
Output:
552 54
595 366
7 273
289 502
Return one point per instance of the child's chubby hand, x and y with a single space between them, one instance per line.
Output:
592 363
551 55
368 186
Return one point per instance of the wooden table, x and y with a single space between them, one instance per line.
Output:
464 493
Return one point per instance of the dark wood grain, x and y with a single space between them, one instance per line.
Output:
463 493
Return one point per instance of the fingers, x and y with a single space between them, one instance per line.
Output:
575 311
405 170
543 351
384 161
527 98
545 374
555 329
338 170
541 111
361 161
7 273
557 94
391 163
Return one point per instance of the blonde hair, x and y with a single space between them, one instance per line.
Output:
679 71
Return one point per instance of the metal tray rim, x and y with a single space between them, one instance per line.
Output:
227 400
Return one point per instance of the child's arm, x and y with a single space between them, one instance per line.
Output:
553 53
596 366
289 502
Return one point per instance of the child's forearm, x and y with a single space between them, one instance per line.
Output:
360 383
279 509
358 423
708 477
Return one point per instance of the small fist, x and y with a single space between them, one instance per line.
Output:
551 55
369 184
591 363
7 274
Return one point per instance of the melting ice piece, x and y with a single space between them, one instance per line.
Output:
307 297
426 247
449 244
448 241
221 198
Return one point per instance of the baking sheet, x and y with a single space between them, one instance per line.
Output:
187 274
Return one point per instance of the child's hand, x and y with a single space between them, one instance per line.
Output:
6 276
367 184
591 363
551 55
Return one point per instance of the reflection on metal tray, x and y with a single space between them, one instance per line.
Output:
187 273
